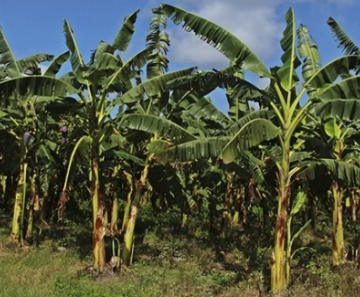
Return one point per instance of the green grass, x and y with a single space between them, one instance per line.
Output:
171 266
161 269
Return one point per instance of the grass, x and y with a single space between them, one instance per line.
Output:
167 265
161 269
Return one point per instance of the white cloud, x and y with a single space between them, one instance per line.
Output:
255 22
258 23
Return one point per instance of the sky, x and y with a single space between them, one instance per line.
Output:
36 26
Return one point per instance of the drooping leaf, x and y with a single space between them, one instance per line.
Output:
240 93
56 64
156 125
35 86
348 88
342 170
126 156
344 40
300 158
224 41
158 146
151 87
201 83
31 63
102 63
257 114
206 110
331 71
339 99
63 105
193 150
45 152
249 135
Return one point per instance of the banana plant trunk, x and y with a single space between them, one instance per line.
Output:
127 251
139 194
34 208
98 217
279 273
338 243
225 226
17 230
10 189
184 221
129 179
226 213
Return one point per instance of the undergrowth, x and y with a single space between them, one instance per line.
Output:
167 262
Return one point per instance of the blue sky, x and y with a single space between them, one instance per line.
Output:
35 26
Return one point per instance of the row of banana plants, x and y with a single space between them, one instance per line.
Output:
132 131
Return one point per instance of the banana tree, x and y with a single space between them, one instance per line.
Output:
23 94
338 156
282 98
158 115
105 75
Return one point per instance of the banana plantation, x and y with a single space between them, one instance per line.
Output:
281 163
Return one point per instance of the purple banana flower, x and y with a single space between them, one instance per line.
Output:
64 133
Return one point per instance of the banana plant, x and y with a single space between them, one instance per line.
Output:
22 95
340 141
282 98
106 74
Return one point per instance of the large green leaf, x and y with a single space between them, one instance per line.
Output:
224 41
56 64
331 128
156 125
344 109
158 40
342 170
120 79
63 105
126 156
32 62
75 57
308 51
202 83
126 32
344 40
258 114
7 57
299 202
206 110
240 93
35 86
286 73
330 72
348 88
45 152
192 150
251 134
255 166
101 62
151 87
